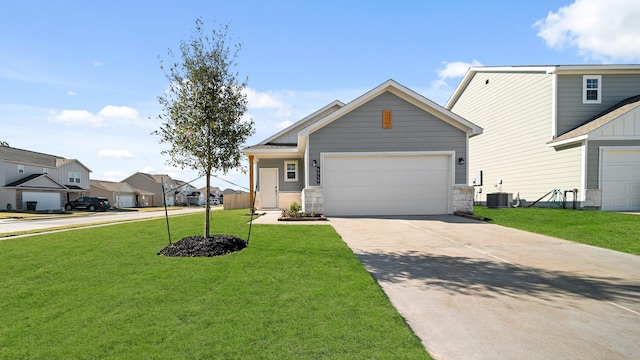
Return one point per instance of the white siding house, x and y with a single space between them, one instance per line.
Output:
542 134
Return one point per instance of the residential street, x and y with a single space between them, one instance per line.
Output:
13 225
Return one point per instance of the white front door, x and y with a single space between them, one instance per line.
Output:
269 188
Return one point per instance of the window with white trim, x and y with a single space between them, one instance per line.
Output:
592 89
45 170
74 177
291 170
20 169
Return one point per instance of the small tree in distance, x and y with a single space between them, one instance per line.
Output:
203 107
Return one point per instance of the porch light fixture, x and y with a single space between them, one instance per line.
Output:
314 163
461 161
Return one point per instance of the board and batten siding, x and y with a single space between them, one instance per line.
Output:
62 174
413 129
515 111
573 113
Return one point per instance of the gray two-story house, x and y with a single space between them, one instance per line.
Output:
570 128
390 151
48 181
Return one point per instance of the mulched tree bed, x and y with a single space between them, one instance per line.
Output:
199 245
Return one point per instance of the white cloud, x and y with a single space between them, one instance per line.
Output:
262 100
147 169
84 117
76 117
119 112
440 90
115 154
455 69
97 63
71 93
602 30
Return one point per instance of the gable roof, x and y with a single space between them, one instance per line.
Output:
37 181
613 113
590 69
304 122
156 178
336 110
404 93
112 186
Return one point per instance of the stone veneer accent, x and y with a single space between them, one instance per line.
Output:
592 199
313 200
463 199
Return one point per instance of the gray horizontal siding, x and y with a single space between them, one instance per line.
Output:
593 158
284 186
412 129
572 112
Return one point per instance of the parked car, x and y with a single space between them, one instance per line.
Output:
89 203
214 202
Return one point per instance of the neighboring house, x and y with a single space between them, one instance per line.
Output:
391 151
187 193
120 194
214 194
556 127
48 180
154 184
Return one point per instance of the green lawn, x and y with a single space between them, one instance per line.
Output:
296 292
611 230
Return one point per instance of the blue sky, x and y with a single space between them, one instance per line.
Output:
80 79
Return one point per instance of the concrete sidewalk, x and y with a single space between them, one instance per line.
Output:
270 217
472 290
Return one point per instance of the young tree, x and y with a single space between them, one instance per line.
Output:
203 107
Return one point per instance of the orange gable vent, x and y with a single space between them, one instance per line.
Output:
386 119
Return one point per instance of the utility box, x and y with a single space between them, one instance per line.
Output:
499 200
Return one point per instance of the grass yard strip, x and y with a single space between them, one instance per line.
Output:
610 230
295 292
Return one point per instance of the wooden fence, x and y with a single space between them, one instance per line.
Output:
236 201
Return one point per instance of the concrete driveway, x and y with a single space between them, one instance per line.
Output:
472 290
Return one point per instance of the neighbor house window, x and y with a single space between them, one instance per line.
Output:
45 171
20 169
74 177
290 171
592 89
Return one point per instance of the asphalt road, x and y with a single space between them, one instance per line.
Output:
14 225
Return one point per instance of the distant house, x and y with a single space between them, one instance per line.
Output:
390 151
214 194
154 184
568 128
49 181
120 194
187 194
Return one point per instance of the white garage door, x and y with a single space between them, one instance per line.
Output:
124 201
621 179
405 184
46 200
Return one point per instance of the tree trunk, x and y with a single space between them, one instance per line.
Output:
207 206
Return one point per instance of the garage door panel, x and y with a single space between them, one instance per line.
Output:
621 179
45 200
387 185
